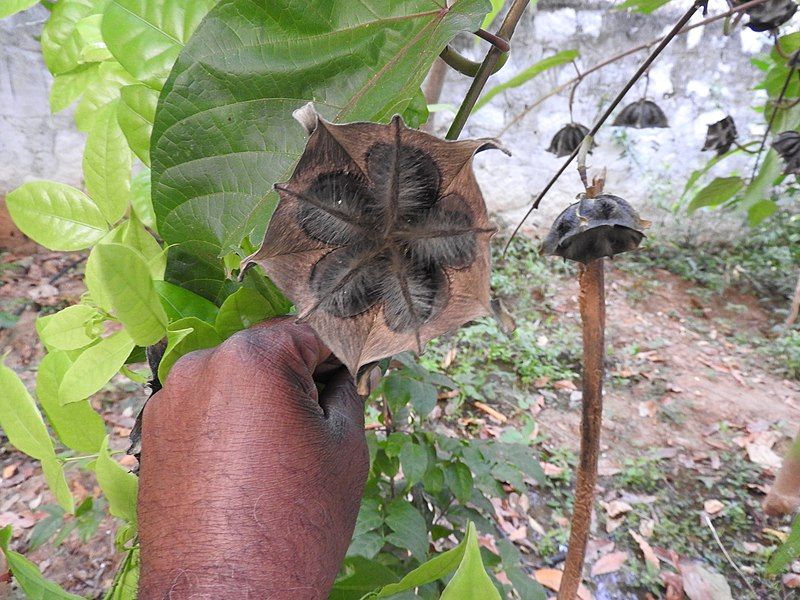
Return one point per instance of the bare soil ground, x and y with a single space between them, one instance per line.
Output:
695 421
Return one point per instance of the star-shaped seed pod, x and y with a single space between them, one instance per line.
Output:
721 136
593 228
641 114
787 144
380 238
567 139
769 15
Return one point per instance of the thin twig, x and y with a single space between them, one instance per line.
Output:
728 556
487 66
620 56
596 127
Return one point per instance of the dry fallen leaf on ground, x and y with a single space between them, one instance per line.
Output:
701 583
713 506
647 550
551 579
791 580
616 508
609 563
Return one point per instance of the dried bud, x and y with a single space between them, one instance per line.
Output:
721 135
769 15
641 114
593 228
787 144
567 139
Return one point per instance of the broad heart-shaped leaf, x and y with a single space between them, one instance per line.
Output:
76 424
224 133
95 367
145 36
119 486
55 215
470 581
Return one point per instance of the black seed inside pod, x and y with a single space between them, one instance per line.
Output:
642 114
567 139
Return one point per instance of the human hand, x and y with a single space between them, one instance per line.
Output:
251 480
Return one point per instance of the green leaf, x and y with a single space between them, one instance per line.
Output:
95 367
141 201
434 569
408 528
68 329
526 75
414 460
179 303
471 582
101 91
525 585
11 7
216 155
423 397
459 480
242 309
93 49
642 6
126 581
68 87
787 552
184 336
24 427
61 40
128 283
77 425
497 6
119 487
720 190
107 165
134 235
137 111
145 36
760 211
396 388
55 215
28 575
361 576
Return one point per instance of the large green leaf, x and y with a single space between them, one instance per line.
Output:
95 367
55 215
107 165
119 486
224 133
145 36
126 279
76 424
471 581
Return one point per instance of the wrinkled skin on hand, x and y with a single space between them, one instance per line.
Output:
251 480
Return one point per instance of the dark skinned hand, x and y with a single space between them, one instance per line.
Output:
250 479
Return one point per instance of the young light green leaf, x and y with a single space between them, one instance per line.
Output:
134 235
642 6
77 425
102 91
184 336
94 48
720 190
55 215
68 329
438 567
61 41
786 552
141 201
120 487
68 87
11 7
28 575
137 111
179 303
760 211
107 165
22 423
497 6
126 581
95 367
127 282
526 75
160 26
470 582
414 460
408 528
241 310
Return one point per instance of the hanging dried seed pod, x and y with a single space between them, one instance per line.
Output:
769 15
721 135
593 228
567 139
641 114
787 144
381 237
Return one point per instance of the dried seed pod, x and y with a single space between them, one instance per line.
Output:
787 144
769 15
721 135
381 237
593 228
641 114
567 139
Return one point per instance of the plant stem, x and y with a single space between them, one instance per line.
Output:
596 127
593 317
620 56
485 70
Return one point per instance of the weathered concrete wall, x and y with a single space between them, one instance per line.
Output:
699 79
